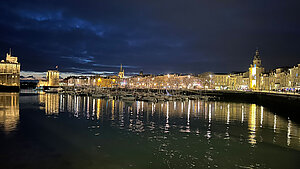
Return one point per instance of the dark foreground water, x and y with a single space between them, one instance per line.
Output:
56 131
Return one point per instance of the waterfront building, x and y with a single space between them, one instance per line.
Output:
294 77
267 81
52 79
78 81
169 81
255 79
10 73
93 81
242 81
106 82
233 81
281 78
206 80
255 72
220 81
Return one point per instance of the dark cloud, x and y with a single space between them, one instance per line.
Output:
156 36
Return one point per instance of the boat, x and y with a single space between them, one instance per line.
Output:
149 99
99 95
128 97
53 90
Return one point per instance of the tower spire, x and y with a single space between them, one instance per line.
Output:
121 73
257 54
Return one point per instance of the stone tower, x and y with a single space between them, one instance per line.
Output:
255 72
53 78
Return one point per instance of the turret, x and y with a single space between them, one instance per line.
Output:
10 58
257 60
121 73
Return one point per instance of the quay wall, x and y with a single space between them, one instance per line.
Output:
9 88
283 103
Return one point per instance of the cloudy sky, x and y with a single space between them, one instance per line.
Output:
187 36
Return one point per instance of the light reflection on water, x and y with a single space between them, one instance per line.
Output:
9 111
168 113
174 134
252 124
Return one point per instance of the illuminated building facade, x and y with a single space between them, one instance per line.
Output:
294 77
169 81
220 81
78 81
10 72
286 79
94 81
255 72
241 81
233 81
254 79
52 79
106 82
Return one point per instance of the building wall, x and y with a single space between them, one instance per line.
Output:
172 81
294 76
9 74
255 74
242 82
94 81
220 81
53 77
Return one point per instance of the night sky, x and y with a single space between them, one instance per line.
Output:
164 36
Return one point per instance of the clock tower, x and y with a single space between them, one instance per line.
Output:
255 72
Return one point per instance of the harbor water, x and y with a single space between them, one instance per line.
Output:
68 131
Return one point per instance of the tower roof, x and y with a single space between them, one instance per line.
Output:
256 56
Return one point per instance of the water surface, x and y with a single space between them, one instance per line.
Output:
64 131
